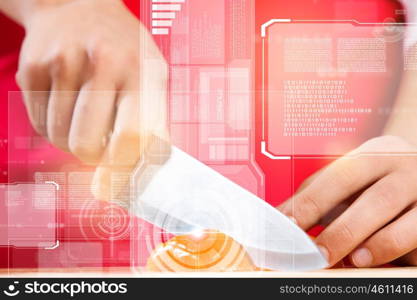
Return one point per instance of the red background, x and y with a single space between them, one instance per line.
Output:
277 172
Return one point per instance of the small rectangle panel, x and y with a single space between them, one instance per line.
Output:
325 90
160 31
163 15
166 7
28 216
170 1
198 34
161 23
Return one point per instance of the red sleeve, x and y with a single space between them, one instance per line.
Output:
133 5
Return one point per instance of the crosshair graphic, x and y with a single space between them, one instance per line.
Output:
106 221
203 250
191 248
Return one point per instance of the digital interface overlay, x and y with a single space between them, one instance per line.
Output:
242 94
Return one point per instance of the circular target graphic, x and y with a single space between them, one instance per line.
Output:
208 251
106 221
178 246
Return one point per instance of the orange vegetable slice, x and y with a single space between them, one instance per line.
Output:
205 251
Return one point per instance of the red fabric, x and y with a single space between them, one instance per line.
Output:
276 187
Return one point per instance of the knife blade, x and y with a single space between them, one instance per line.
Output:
181 195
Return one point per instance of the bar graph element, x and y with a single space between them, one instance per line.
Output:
164 13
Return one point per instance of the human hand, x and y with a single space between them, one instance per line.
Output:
94 83
379 226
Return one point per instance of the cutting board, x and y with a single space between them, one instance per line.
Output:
126 272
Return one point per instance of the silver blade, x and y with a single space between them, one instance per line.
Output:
180 194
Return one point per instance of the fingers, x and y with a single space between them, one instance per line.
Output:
141 114
308 181
124 147
376 207
334 185
395 240
66 82
34 80
92 119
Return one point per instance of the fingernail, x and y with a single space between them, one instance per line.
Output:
324 252
362 258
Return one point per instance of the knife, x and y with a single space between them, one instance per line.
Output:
181 195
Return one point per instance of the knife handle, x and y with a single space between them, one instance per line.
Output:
157 151
156 154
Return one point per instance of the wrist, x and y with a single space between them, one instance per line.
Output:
22 13
38 6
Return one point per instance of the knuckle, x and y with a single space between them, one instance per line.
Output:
58 59
396 242
60 65
385 201
387 196
102 55
307 205
345 177
29 68
340 235
338 238
345 232
313 203
32 66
